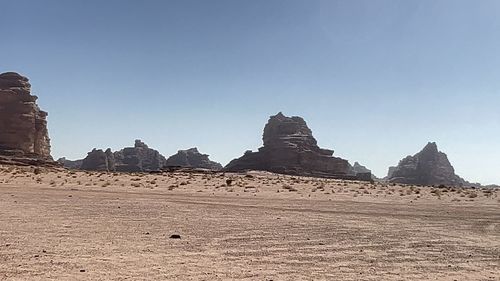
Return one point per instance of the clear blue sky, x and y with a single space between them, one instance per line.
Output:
375 80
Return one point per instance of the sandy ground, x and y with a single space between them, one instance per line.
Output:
62 225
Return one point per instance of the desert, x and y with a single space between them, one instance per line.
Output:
74 225
264 140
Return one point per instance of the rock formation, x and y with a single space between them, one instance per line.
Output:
359 169
362 172
139 158
24 136
99 160
70 164
428 167
391 171
191 158
290 148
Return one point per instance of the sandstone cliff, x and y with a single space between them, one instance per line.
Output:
24 136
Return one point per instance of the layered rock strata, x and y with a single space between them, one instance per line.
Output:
290 148
24 137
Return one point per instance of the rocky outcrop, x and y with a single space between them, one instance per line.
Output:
428 167
290 148
362 172
70 164
99 160
391 171
192 158
139 158
23 125
359 169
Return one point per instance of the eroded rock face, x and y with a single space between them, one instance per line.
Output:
70 164
391 171
290 148
99 160
139 158
361 172
359 169
428 167
192 158
23 126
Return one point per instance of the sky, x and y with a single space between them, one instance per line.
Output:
375 80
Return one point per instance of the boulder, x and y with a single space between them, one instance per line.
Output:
290 148
428 167
192 158
23 125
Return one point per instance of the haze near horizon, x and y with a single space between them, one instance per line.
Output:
374 80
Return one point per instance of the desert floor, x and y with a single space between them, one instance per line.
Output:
63 225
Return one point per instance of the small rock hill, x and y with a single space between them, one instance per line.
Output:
139 158
428 167
192 158
290 148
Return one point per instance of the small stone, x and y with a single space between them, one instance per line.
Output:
175 236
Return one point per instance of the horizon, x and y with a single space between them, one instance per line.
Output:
374 80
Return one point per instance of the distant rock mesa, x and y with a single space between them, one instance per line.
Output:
99 160
290 148
24 137
139 158
192 158
428 167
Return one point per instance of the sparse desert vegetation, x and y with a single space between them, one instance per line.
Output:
252 226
